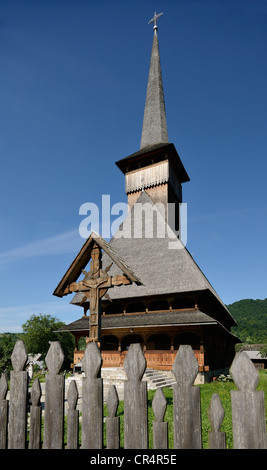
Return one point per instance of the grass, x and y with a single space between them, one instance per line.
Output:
223 389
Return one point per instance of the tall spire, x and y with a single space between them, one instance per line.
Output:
154 124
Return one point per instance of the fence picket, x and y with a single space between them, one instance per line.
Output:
186 401
248 412
18 398
160 429
54 399
113 421
217 438
248 408
73 417
92 407
3 411
35 416
135 400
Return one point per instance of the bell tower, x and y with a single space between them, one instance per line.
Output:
156 168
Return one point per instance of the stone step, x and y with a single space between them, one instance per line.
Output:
117 376
159 378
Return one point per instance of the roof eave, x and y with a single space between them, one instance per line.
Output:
140 159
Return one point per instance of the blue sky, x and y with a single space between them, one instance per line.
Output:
72 94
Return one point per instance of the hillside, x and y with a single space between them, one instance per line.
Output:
251 317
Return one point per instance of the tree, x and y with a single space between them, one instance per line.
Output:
263 350
7 344
40 329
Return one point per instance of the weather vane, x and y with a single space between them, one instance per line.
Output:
154 19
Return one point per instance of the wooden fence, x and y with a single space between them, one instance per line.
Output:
248 411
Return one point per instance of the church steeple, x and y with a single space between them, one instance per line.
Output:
154 124
156 167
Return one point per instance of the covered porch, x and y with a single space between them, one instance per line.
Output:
160 335
159 349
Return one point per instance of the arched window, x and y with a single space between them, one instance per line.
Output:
158 305
158 342
109 343
113 308
130 339
136 307
182 303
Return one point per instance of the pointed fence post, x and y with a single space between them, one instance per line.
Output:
248 410
92 408
216 414
113 421
54 398
186 401
160 429
3 411
18 398
35 416
73 417
135 400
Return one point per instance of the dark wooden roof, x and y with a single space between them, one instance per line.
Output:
162 270
174 318
156 152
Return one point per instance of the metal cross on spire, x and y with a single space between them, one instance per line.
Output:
154 19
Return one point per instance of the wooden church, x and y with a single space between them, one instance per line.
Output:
168 301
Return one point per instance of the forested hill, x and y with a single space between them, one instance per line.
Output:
251 317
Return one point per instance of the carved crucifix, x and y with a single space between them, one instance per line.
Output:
94 286
96 282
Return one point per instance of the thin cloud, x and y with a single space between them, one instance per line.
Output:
12 318
68 242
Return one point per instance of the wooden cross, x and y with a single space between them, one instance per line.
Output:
95 284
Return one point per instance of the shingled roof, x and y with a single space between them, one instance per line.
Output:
166 319
161 270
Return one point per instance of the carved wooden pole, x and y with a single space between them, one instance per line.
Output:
36 416
95 304
186 401
3 411
18 398
248 411
54 399
92 408
113 421
160 429
216 415
135 400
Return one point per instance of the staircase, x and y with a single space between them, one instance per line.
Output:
159 378
111 376
116 376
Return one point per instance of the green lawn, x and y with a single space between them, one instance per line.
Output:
223 389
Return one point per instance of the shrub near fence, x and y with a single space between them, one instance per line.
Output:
248 412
